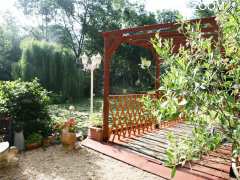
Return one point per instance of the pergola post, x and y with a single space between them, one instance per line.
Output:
106 82
110 46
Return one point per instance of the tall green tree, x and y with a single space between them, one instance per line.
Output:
44 10
9 46
54 66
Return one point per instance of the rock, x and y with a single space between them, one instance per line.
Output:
78 145
12 154
8 156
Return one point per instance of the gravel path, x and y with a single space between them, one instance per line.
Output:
55 163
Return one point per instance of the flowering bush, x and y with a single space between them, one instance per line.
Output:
71 125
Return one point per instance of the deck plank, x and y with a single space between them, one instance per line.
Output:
215 165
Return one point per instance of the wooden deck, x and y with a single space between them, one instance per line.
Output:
147 152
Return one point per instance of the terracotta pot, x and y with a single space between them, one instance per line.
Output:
68 139
52 139
95 133
46 142
33 146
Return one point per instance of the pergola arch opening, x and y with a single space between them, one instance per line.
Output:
141 36
122 79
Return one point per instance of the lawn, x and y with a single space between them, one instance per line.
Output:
61 112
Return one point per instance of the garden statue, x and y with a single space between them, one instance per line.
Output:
19 137
8 155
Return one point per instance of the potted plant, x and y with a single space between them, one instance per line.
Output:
95 131
49 140
34 141
68 134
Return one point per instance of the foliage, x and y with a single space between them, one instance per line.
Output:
191 148
5 47
168 16
96 120
70 125
25 103
59 113
34 138
45 11
9 46
208 81
77 24
54 66
203 10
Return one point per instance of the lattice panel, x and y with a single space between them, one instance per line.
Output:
128 116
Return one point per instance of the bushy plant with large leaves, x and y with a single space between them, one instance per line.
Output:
203 79
26 104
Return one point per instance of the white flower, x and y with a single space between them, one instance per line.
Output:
145 64
164 104
71 108
183 102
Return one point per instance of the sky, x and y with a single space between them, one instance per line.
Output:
151 5
181 5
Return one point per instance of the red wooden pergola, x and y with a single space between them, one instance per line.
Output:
141 36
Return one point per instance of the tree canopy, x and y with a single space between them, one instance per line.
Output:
75 26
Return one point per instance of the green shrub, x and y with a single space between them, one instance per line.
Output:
26 104
56 98
34 138
96 120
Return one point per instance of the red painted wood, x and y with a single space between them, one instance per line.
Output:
106 87
209 171
210 20
202 174
213 165
141 162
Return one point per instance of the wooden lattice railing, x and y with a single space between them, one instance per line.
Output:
128 116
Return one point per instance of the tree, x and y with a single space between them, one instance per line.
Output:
5 46
168 16
9 46
44 10
54 66
78 24
203 10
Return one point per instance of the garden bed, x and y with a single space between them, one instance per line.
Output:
80 113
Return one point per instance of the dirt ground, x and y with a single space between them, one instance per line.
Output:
54 163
